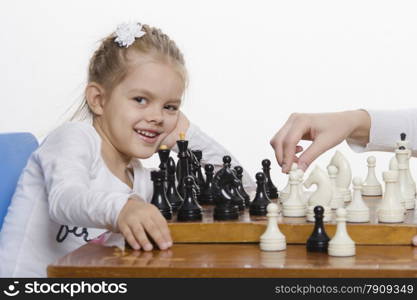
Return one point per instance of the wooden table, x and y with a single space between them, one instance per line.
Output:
230 249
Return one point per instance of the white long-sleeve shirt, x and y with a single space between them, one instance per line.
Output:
66 196
386 127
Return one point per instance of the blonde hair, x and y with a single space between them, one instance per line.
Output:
109 65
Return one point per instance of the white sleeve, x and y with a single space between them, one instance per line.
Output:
386 127
213 153
67 159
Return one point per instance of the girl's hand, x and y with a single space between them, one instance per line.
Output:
326 130
139 220
182 126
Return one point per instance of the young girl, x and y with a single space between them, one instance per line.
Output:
86 177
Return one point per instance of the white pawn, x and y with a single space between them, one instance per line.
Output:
285 193
341 244
337 198
357 211
294 206
272 239
344 175
390 209
371 186
406 184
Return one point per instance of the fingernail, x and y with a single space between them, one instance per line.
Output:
169 244
136 247
284 168
148 247
163 246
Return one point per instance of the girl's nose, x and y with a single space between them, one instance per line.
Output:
154 114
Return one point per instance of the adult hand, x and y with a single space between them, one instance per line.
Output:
326 130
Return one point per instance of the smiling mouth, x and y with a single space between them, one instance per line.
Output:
148 136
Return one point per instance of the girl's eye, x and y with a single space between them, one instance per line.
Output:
141 100
171 107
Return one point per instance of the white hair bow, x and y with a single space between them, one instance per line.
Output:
126 33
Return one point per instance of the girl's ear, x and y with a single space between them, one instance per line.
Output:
94 94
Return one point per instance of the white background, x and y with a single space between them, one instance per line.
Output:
251 63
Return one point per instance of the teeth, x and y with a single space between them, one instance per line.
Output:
146 133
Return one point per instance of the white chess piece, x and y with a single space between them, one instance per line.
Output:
272 239
357 210
321 196
405 144
406 185
285 193
341 244
294 206
344 175
301 191
337 199
393 166
371 186
390 209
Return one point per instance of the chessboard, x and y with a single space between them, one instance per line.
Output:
248 229
215 208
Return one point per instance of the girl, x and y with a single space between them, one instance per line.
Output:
86 177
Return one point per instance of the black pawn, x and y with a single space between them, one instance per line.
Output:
159 198
189 210
261 200
206 196
240 188
271 189
173 196
318 241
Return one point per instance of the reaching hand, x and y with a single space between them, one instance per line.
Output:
326 130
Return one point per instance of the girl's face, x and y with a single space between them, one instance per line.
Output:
143 109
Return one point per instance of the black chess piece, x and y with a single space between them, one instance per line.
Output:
271 189
198 154
183 169
240 188
189 210
237 198
194 165
163 154
227 161
159 197
261 200
318 241
225 208
172 194
207 193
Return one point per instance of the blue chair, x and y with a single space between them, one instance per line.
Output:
15 149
